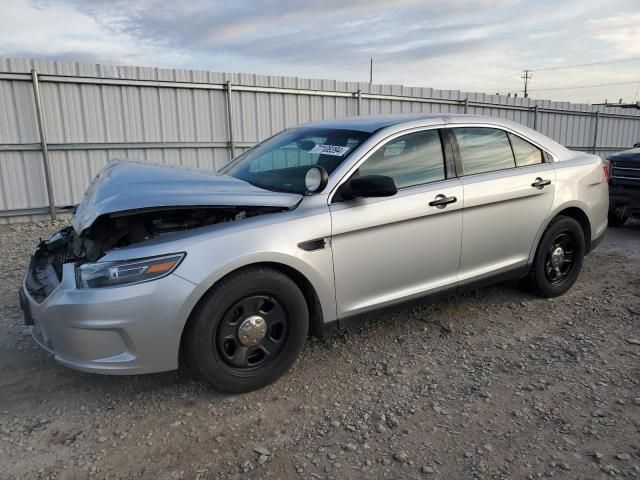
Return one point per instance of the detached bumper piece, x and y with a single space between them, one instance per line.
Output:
25 307
45 268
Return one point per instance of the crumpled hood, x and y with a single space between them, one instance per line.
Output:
125 185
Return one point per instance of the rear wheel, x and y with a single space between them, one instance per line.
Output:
559 258
618 217
248 331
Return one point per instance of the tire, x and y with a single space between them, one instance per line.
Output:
551 275
618 217
271 310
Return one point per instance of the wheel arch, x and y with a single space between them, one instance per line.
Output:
575 211
581 217
316 315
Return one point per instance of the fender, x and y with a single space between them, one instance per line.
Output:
552 215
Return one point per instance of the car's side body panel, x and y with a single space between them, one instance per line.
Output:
387 250
215 251
580 184
501 218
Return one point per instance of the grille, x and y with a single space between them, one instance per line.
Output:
626 172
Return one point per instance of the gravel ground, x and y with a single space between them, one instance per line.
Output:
490 385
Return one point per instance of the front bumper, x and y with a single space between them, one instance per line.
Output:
128 329
625 196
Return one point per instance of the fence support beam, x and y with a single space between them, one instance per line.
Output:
535 117
466 105
594 149
43 144
359 96
232 145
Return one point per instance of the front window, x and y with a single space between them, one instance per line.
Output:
281 162
412 159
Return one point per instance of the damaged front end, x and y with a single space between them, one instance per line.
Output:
122 229
44 273
131 202
119 230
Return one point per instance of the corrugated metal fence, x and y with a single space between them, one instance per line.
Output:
71 118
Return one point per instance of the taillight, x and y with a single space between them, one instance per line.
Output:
606 165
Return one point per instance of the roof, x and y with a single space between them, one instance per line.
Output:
373 123
376 123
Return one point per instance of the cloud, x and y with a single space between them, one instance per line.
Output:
622 32
457 44
296 29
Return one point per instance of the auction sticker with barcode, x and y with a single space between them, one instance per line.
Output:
334 150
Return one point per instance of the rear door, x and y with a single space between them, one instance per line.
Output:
508 192
390 249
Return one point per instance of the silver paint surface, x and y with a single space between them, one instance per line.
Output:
127 185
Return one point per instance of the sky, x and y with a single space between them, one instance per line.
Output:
470 45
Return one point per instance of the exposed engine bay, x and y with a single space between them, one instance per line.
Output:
119 230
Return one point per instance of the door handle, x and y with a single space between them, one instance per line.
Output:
540 183
441 201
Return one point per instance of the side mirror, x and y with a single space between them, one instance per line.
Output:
369 186
315 179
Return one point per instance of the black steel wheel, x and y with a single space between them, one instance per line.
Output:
558 262
248 330
252 333
559 258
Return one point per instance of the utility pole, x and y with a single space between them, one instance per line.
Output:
371 71
526 76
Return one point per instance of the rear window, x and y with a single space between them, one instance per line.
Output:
525 153
483 149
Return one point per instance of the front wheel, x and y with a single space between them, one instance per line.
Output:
559 258
248 331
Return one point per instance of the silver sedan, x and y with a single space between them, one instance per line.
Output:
307 231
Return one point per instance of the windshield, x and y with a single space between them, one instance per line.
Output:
281 162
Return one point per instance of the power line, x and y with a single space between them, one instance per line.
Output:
561 67
607 62
586 86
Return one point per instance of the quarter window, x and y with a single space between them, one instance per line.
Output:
525 153
483 149
411 159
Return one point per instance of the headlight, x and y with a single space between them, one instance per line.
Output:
111 274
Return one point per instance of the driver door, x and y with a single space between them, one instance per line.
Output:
387 250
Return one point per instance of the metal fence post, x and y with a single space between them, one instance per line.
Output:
232 145
359 96
535 117
466 105
595 133
43 144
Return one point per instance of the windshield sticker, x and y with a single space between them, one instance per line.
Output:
334 150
